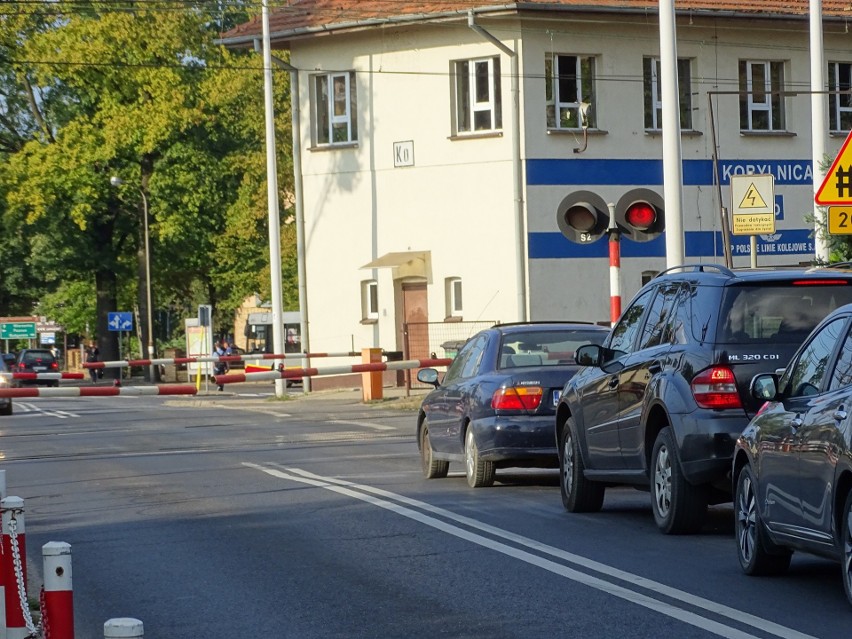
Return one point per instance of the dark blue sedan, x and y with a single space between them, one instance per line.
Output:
495 406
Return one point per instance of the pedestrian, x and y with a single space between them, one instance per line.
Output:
222 349
92 355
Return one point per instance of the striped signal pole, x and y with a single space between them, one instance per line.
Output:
58 612
614 267
14 566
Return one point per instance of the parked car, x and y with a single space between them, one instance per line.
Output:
36 360
664 399
495 406
792 469
5 382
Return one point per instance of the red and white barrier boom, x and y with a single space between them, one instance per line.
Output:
248 357
100 391
290 373
32 376
57 596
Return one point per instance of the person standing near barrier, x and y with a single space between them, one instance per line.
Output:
92 354
222 348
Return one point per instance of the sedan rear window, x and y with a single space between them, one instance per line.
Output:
545 348
773 313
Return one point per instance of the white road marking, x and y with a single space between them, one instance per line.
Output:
364 424
394 502
32 410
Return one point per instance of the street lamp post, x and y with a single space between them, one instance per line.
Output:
117 181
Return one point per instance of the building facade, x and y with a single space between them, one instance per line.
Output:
445 146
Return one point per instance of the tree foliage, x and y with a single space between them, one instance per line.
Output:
139 91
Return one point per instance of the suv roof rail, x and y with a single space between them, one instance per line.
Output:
845 265
568 321
698 268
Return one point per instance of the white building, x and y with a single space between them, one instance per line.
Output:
430 196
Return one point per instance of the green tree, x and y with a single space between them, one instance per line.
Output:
138 91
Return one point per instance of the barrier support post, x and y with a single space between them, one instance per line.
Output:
371 382
58 613
124 628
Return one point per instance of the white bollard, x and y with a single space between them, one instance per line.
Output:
58 592
123 628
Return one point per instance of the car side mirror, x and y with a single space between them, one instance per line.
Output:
588 355
764 387
428 376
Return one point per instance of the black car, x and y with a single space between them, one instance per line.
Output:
5 382
792 469
36 360
662 402
495 405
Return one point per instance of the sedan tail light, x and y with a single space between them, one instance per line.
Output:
716 387
517 398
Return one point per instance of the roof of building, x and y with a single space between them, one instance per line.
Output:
304 17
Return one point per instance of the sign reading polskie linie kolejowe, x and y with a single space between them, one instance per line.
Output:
836 188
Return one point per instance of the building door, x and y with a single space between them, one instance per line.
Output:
415 328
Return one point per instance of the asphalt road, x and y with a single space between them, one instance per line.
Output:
234 515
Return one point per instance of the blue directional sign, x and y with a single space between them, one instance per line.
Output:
120 321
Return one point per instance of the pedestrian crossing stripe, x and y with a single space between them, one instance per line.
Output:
752 199
836 188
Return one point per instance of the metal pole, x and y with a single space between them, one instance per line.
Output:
819 125
151 375
614 267
672 158
58 589
272 197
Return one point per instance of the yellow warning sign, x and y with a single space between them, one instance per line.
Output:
840 220
752 199
836 188
760 224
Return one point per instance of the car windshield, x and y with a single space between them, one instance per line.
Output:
35 357
784 314
545 348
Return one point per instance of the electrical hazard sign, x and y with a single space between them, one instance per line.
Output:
836 188
753 204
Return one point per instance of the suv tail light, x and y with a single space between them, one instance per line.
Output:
716 387
517 398
54 366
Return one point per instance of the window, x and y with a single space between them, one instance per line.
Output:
840 105
761 106
369 300
653 93
333 97
569 89
842 375
478 102
658 326
812 365
467 361
624 333
453 295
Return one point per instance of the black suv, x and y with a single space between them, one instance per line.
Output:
663 400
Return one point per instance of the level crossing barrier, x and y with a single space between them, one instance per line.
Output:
100 391
231 359
290 373
32 376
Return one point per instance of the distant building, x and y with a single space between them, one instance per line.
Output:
430 197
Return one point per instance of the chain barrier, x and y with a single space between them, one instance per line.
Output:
35 631
42 604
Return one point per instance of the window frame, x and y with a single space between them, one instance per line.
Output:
453 297
773 104
836 108
584 88
466 91
652 93
369 300
325 121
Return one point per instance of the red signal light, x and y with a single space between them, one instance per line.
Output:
641 216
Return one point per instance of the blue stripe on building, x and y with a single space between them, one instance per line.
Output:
696 244
592 172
